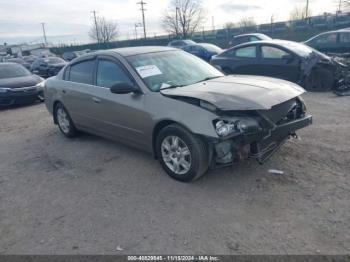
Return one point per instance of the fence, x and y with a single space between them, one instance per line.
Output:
298 30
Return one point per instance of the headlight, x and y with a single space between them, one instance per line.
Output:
3 89
225 128
40 85
236 126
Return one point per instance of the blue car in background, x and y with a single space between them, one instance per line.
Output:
203 50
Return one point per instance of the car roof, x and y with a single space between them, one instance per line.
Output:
130 51
272 41
9 63
252 34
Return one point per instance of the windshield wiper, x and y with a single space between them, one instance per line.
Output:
207 79
172 86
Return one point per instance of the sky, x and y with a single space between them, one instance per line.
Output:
68 21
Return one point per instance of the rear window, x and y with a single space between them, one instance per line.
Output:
12 70
82 72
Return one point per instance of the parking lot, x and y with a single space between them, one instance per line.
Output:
92 196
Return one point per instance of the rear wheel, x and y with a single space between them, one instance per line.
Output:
183 155
64 121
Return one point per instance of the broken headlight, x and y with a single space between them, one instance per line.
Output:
236 126
225 128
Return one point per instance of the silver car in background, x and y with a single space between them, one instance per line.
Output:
176 106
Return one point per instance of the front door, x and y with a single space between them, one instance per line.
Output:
120 116
278 63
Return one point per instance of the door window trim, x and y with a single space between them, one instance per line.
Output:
120 64
78 62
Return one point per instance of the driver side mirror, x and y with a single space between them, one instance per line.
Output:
124 88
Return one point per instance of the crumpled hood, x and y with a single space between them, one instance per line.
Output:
240 92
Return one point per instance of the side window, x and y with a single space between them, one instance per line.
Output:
229 53
272 52
110 73
326 39
196 48
345 38
248 52
82 72
254 38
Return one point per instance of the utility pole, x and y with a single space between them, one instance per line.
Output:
44 33
96 27
177 20
339 8
307 10
142 3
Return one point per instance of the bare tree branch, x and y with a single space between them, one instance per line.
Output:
104 31
183 17
247 22
299 13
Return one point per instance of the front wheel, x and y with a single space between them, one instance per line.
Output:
183 155
64 121
319 80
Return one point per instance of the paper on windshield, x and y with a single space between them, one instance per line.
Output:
149 70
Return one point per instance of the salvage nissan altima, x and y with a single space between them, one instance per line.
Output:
176 106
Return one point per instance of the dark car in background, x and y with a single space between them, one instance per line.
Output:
18 85
19 61
286 60
48 66
240 39
337 42
203 50
181 43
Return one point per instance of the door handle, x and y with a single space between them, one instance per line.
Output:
96 100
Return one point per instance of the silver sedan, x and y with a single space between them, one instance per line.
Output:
181 109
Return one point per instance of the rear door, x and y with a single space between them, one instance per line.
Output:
277 62
242 60
77 92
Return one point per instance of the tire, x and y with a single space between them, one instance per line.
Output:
64 121
320 80
196 156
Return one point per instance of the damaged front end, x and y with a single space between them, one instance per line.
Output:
321 73
256 134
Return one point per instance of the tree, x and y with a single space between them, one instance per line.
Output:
230 25
342 5
247 22
103 31
183 17
299 13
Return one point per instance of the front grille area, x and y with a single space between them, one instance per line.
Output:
285 112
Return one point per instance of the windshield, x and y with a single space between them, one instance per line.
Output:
54 60
12 70
171 69
302 50
212 48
